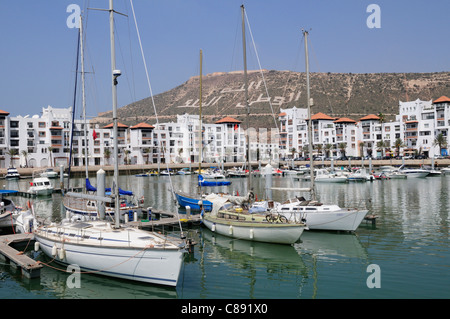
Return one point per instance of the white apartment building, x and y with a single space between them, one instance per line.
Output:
41 141
417 125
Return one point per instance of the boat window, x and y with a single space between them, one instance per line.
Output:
310 208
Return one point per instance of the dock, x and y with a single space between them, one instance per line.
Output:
158 218
30 268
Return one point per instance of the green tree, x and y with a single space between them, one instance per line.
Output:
440 141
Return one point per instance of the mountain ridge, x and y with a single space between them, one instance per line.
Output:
352 95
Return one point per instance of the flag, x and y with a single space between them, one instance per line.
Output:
94 135
235 127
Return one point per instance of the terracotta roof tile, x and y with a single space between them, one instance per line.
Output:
344 120
321 116
369 117
119 125
228 119
142 125
442 99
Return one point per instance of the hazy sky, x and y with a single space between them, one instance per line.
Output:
38 49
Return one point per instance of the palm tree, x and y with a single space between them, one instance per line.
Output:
25 155
12 152
293 150
126 159
342 146
361 148
50 150
398 144
328 148
381 146
107 154
440 141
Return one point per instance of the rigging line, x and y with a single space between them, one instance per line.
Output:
297 58
153 100
321 80
260 68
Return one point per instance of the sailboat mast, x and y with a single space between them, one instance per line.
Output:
200 130
310 137
246 99
84 97
114 102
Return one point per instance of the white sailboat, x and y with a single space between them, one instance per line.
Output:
84 206
109 249
317 215
230 215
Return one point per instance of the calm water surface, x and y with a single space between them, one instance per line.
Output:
410 244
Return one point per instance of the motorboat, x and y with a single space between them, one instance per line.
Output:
359 175
49 173
184 171
414 172
12 173
41 186
237 172
324 176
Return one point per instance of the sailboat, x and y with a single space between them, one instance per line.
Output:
84 206
230 215
194 200
319 216
115 250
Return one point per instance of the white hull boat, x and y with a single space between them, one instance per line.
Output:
41 186
322 216
127 253
229 219
324 176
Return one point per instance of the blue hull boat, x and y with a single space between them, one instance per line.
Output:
192 201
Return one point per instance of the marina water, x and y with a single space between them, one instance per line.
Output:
408 245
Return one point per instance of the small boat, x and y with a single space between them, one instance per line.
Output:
41 186
414 172
192 201
184 171
9 213
237 172
396 175
360 175
49 173
153 173
445 170
166 173
324 176
216 182
12 173
231 219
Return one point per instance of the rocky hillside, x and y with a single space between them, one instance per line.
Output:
335 94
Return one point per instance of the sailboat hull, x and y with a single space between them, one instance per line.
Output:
155 266
343 220
264 232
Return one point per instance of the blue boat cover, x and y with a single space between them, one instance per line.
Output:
202 182
91 188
